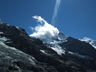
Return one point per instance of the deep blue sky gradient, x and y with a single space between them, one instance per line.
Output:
76 18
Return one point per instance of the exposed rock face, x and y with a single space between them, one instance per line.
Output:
21 53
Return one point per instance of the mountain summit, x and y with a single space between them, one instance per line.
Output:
90 41
21 53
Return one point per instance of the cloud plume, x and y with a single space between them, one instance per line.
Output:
55 11
44 30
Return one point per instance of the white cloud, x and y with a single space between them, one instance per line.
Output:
44 30
48 34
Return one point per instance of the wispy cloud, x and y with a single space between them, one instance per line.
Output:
55 11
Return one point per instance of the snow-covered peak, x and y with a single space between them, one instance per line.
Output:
86 39
90 41
62 36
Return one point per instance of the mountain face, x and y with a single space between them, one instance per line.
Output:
21 53
90 41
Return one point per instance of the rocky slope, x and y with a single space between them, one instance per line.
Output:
21 53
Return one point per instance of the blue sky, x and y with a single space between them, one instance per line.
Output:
76 18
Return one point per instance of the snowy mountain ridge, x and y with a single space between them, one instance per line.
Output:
90 41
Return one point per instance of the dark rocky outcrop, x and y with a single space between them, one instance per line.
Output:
21 53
